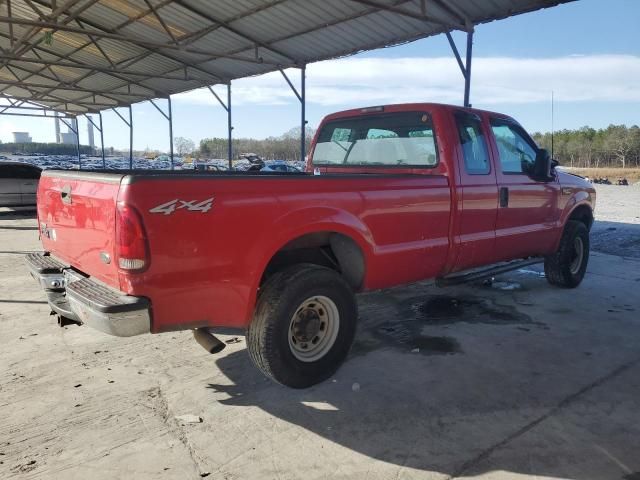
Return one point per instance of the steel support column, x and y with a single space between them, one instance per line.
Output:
229 128
130 125
75 130
130 138
78 142
169 118
467 77
170 130
466 67
303 120
227 107
302 98
104 165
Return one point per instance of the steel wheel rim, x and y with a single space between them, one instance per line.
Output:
578 252
313 328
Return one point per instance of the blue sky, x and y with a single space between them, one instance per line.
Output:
587 52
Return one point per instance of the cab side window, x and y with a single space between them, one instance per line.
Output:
473 143
517 154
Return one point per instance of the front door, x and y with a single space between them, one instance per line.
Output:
528 208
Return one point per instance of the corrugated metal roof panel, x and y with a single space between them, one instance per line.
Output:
100 53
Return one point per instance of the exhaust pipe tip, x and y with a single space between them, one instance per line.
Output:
208 341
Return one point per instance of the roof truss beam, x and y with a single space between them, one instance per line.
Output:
57 103
140 42
72 88
426 14
84 66
226 25
161 20
37 115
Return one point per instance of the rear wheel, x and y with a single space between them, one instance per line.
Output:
303 325
566 267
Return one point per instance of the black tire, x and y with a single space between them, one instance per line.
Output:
281 297
566 267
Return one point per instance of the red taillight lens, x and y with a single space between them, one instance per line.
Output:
131 240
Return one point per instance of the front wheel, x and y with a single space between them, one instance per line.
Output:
567 266
303 325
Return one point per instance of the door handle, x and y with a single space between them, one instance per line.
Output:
65 194
504 197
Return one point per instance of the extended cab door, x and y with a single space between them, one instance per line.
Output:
528 208
477 193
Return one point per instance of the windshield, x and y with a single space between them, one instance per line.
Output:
394 139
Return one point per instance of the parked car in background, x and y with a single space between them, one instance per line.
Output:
208 167
18 184
279 166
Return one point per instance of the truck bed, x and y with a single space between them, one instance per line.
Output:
211 235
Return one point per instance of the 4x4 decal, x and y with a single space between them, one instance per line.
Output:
169 207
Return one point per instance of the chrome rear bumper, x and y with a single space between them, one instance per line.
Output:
88 301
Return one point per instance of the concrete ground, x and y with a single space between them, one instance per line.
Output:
514 380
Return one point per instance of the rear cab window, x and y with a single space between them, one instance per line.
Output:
473 143
404 139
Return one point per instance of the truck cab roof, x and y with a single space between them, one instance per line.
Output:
410 107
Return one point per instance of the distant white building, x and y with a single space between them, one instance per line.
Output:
21 137
58 140
90 134
68 138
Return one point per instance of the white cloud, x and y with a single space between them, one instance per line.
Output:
495 80
6 130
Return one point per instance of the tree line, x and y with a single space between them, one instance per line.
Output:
44 148
284 147
586 147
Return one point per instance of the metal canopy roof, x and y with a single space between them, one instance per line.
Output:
78 56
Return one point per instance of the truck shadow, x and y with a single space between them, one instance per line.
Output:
415 397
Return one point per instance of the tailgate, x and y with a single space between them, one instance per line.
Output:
76 211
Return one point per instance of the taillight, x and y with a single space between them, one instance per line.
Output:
131 240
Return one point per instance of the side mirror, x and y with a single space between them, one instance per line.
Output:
543 165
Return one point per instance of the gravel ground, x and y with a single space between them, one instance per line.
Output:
617 227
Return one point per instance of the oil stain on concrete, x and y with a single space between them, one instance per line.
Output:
390 321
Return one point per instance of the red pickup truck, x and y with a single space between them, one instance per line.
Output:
392 195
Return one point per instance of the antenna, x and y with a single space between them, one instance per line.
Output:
552 124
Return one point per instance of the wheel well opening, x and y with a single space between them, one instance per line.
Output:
583 214
328 249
